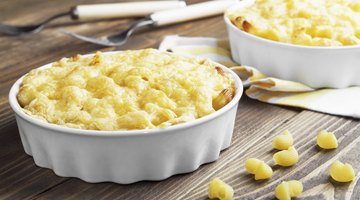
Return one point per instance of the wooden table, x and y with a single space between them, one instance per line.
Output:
256 125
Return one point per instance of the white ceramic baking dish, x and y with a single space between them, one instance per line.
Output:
317 67
127 156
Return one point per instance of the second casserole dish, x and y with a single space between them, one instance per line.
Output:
316 66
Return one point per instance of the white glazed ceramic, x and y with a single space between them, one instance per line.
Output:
127 156
317 67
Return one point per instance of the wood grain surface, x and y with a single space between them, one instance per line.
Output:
256 123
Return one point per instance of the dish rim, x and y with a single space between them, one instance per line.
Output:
15 106
283 44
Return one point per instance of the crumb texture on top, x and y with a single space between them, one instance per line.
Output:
139 89
306 22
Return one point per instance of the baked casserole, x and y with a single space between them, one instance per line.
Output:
140 89
305 22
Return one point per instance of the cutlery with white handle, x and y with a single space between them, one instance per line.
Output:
99 11
162 18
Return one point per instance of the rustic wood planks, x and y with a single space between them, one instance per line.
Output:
256 124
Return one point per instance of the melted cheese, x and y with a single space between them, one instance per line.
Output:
303 22
140 89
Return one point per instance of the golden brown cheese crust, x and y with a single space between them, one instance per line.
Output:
140 89
307 22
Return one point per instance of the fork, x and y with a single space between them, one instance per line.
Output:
161 18
98 11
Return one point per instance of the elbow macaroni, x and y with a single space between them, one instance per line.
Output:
307 22
223 98
287 157
287 190
283 141
260 169
326 140
342 172
140 89
220 190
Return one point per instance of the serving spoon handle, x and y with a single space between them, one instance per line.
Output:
191 12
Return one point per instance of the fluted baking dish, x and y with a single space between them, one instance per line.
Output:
127 156
315 66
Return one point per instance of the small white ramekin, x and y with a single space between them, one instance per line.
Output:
317 67
127 156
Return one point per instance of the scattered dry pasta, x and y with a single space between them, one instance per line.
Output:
287 157
140 89
287 190
306 22
342 172
259 168
283 141
220 190
326 140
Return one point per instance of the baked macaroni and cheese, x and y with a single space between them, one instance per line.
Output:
140 89
305 22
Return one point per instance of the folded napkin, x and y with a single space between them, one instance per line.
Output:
345 102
